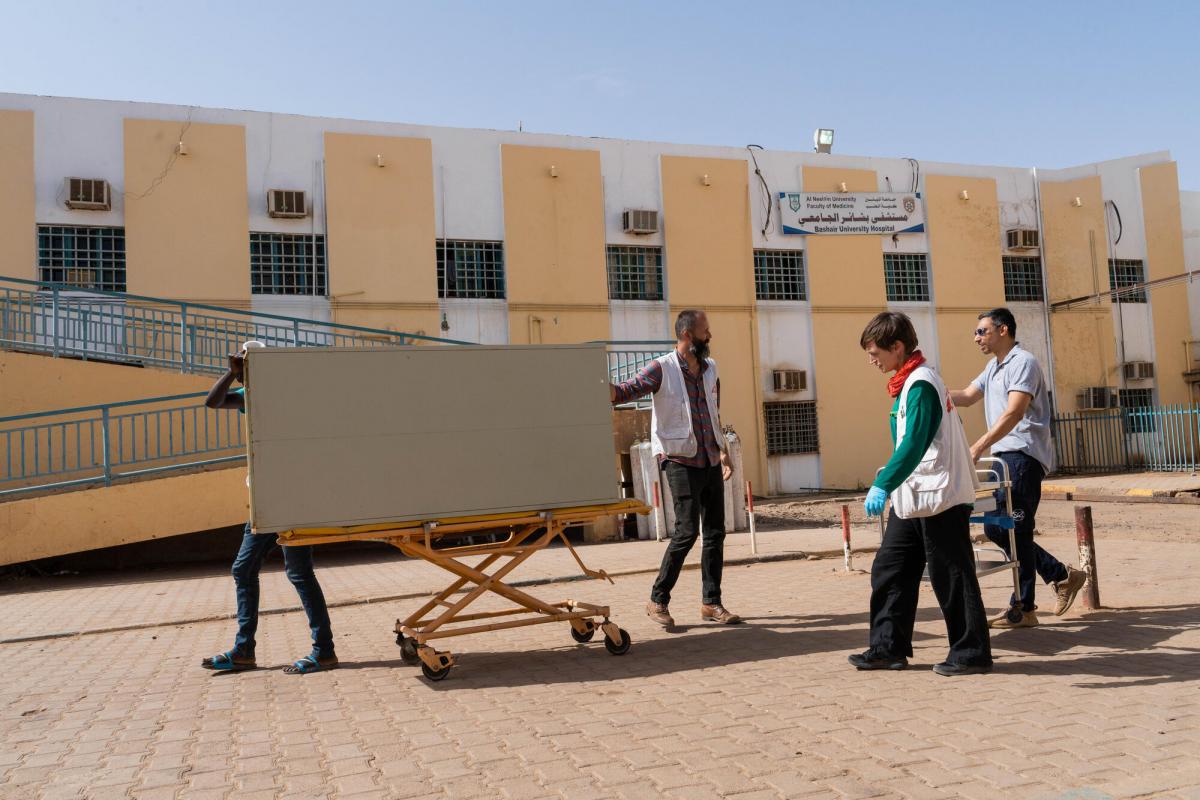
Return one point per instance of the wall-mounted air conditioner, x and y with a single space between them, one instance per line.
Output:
286 203
1139 370
790 380
1021 239
639 220
1096 398
88 194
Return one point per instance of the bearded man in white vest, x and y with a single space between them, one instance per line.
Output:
931 480
686 438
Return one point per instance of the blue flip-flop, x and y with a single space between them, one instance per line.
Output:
225 662
309 664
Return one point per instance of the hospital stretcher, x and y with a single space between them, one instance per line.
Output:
444 543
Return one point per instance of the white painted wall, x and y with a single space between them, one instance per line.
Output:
640 320
785 342
1190 210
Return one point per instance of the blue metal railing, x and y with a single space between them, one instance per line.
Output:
98 444
626 358
1153 438
59 320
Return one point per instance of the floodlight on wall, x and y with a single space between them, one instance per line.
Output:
553 171
843 188
379 160
704 180
964 195
1077 202
181 148
823 140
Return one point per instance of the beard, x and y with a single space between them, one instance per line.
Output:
700 350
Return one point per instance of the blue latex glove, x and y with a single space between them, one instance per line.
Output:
876 500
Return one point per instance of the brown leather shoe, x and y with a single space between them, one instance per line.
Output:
659 613
718 614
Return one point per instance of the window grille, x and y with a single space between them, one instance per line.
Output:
288 263
470 269
1125 272
779 275
634 272
907 277
1023 279
83 257
791 427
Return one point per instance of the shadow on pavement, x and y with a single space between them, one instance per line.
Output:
1120 644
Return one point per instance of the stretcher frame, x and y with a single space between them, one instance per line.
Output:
993 480
445 615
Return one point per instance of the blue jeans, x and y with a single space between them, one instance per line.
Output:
298 564
1026 474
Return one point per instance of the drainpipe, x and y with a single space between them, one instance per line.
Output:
1037 194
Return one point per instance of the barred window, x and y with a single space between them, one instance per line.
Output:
288 263
83 257
470 269
1138 403
634 273
779 275
791 427
1124 272
907 277
1023 279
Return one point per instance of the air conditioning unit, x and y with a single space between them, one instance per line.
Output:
286 203
1139 370
1021 239
639 220
790 380
1096 398
88 194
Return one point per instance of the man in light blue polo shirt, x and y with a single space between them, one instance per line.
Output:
1016 406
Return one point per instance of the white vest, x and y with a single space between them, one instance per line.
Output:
671 431
945 477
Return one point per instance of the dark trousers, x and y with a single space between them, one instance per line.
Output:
944 541
699 497
1026 474
298 564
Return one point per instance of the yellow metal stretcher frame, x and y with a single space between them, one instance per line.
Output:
528 532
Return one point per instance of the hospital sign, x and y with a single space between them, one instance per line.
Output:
809 213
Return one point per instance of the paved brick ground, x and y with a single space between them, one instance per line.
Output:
1096 705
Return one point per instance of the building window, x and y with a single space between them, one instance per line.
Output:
634 273
288 263
1139 404
1023 279
1125 272
907 277
468 269
82 257
791 427
779 275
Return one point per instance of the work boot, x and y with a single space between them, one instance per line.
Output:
1066 589
719 614
659 613
1014 617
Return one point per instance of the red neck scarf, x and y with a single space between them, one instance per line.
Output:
896 382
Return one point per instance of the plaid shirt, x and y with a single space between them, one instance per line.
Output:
650 378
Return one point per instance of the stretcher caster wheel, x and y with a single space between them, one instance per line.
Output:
587 635
408 649
434 674
1015 614
618 648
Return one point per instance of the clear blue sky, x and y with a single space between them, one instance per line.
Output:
1046 84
